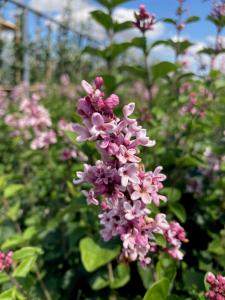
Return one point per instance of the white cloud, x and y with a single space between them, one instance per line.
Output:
81 20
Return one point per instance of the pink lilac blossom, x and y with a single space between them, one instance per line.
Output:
144 20
191 107
217 287
32 122
120 185
5 260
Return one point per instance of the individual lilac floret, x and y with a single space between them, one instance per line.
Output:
120 185
5 260
144 20
217 287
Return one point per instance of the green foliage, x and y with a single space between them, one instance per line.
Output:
162 69
159 290
94 255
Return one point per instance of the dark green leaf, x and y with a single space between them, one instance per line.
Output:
192 19
170 21
178 211
163 68
159 290
102 18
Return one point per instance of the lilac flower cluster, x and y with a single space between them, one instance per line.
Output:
217 287
191 107
120 180
144 20
32 122
5 260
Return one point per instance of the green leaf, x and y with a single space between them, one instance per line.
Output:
12 189
166 267
170 21
12 294
99 281
116 49
102 18
192 19
109 83
26 252
159 43
110 4
121 276
163 68
25 267
160 240
135 70
216 247
209 51
158 291
8 295
119 2
172 194
180 46
193 279
12 242
71 136
118 27
178 211
13 211
146 275
3 277
139 42
95 255
95 51
29 233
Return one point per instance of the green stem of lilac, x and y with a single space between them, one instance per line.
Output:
146 66
111 279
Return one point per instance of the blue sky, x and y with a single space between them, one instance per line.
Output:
197 32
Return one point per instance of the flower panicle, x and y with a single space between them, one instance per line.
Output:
121 186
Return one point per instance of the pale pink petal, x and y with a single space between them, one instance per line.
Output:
128 109
87 87
97 119
135 195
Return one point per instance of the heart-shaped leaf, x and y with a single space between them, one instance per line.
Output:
95 255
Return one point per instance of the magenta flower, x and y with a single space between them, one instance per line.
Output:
217 287
144 20
119 182
5 260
